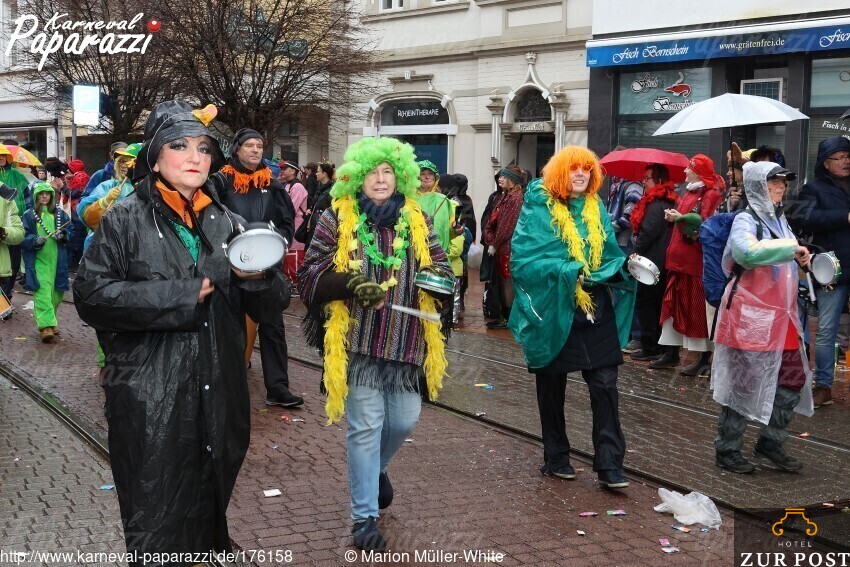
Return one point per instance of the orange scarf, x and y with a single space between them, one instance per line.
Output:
242 181
176 203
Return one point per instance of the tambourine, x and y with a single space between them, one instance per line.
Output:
255 247
432 281
644 270
826 268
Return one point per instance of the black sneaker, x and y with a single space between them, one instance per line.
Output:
287 400
775 453
497 324
367 536
734 462
566 472
385 491
642 355
613 478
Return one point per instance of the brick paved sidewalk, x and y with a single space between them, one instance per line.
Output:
50 496
459 485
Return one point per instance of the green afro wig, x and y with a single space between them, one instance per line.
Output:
367 154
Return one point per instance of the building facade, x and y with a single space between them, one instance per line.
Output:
477 84
651 59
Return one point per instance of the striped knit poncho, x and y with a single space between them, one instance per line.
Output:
380 333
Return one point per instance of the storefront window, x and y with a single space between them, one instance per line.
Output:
663 92
830 83
822 126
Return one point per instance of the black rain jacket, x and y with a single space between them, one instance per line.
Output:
175 380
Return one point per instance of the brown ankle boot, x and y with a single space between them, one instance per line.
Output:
47 335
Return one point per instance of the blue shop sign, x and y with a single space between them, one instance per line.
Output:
700 48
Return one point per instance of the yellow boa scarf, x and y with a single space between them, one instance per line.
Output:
339 323
563 221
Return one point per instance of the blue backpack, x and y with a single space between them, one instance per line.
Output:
713 234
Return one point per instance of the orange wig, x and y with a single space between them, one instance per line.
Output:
556 173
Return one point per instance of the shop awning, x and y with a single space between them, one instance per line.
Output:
742 41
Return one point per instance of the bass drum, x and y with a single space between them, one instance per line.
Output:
255 247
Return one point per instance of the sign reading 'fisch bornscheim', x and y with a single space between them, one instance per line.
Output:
772 43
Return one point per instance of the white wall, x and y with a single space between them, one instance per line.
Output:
621 16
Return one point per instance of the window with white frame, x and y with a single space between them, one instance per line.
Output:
392 4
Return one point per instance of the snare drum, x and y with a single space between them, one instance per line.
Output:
826 268
255 247
644 270
6 308
432 281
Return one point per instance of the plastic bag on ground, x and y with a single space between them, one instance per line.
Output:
694 508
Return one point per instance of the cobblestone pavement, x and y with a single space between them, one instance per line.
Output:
50 489
460 485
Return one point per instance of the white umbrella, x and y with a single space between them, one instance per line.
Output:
728 110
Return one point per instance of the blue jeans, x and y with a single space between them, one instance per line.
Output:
378 424
830 304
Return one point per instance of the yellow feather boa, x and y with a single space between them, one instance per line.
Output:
563 221
339 322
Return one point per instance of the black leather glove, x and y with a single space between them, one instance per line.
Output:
39 242
62 237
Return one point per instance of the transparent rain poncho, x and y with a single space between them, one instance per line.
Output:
751 329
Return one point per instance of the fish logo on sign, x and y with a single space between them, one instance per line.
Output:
680 87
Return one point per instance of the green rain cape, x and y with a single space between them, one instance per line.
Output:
441 209
545 276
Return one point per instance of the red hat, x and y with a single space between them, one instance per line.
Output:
76 165
704 168
80 179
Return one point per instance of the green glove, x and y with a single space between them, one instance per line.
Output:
369 294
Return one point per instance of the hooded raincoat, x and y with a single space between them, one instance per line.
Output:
176 391
755 325
545 277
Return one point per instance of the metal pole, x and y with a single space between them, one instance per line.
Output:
73 140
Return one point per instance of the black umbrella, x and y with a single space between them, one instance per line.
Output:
846 115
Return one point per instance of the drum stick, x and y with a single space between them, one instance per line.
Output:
434 317
811 287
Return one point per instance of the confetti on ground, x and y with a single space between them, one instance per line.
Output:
480 413
806 434
845 510
829 504
20 338
408 440
274 447
579 532
485 385
681 389
579 470
272 492
681 529
17 459
285 417
616 512
670 549
107 487
587 514
263 410
704 530
664 541
297 419
14 387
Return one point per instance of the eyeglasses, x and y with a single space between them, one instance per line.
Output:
647 179
840 158
585 167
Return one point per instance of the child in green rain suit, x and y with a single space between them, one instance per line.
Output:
46 229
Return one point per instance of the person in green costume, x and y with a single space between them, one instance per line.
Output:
573 306
11 234
46 229
12 176
440 208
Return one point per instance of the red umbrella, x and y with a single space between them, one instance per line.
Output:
631 164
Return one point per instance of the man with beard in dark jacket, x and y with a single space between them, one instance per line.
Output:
823 210
248 188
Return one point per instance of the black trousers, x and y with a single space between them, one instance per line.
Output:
274 356
609 445
648 311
